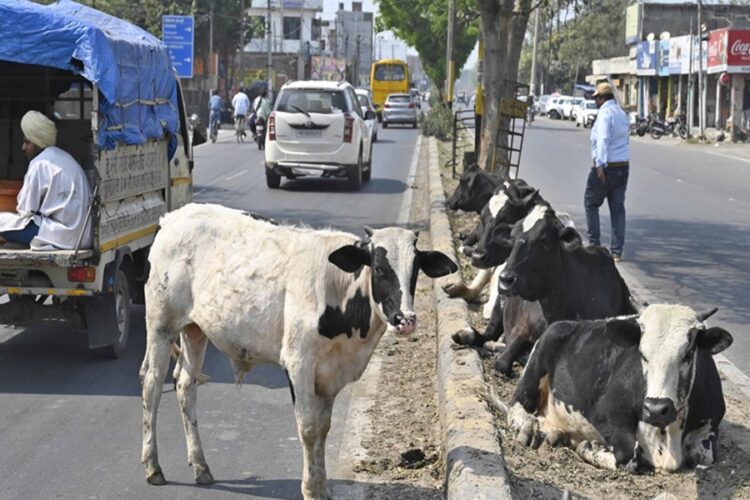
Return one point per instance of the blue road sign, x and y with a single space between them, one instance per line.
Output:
177 34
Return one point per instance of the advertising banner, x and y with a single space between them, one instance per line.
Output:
631 24
679 55
328 68
662 66
646 59
729 50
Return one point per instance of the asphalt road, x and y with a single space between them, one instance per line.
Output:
70 423
688 229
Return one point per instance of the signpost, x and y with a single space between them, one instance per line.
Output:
178 34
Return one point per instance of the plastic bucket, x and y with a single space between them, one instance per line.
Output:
9 195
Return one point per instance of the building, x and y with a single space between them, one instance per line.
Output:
353 42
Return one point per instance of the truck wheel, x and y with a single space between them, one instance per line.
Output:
273 180
122 305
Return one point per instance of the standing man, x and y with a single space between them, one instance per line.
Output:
53 201
241 105
611 165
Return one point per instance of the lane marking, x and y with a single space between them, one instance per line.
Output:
243 172
403 214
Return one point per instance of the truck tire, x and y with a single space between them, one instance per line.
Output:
115 312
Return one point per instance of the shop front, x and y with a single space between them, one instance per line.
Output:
729 70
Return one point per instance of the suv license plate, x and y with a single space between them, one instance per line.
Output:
309 133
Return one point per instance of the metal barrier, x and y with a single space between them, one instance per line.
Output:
463 119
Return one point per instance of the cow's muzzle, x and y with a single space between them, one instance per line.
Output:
506 282
405 323
659 412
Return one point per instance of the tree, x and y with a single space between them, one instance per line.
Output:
423 24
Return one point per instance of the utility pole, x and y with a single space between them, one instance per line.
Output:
240 71
479 99
211 74
532 84
269 64
701 97
449 54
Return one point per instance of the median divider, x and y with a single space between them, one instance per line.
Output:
475 468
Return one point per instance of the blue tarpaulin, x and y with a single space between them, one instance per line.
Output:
130 66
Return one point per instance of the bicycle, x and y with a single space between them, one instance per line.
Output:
239 128
214 126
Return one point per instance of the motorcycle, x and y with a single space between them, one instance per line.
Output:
639 126
260 133
679 127
672 127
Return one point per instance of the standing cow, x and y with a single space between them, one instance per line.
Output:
315 302
631 392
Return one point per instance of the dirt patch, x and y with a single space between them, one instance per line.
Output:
549 472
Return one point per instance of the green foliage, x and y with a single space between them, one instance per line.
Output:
597 31
437 122
423 24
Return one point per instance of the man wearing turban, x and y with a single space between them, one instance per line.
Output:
52 204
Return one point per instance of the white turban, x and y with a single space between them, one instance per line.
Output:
39 129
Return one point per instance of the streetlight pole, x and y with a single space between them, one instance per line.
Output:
242 41
532 84
269 64
449 54
701 97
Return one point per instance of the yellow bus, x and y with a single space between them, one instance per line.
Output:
388 76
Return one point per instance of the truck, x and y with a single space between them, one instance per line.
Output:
112 91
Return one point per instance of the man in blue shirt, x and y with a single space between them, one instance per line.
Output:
215 103
608 178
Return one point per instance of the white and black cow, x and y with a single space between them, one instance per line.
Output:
315 302
632 392
549 263
474 190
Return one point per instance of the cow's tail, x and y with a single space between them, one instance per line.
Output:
202 378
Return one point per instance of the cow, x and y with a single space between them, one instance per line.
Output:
474 190
549 263
315 302
634 392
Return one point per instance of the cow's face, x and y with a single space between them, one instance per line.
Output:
394 261
473 190
668 338
506 208
534 266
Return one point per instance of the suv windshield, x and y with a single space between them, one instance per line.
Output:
324 102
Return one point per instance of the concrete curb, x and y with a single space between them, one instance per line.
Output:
475 468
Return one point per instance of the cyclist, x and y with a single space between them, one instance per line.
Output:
241 105
215 103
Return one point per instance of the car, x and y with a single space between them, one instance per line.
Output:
399 108
318 128
365 102
543 101
568 106
586 113
554 107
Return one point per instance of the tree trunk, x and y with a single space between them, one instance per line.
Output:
503 25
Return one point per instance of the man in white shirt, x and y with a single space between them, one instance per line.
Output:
52 204
241 105
608 178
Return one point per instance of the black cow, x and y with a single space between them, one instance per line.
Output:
474 190
548 263
632 392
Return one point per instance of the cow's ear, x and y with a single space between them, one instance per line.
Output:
625 332
349 258
530 198
569 238
713 339
436 264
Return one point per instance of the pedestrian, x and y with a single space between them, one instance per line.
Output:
52 204
241 105
262 107
608 178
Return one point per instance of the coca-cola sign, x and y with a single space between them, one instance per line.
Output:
729 50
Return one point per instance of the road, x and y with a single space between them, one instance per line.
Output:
70 423
688 229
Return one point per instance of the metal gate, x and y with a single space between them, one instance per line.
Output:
509 135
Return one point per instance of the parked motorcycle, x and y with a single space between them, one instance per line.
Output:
639 126
657 127
673 127
260 133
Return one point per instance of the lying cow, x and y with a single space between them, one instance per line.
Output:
632 392
314 302
548 263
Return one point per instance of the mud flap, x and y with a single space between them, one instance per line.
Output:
101 320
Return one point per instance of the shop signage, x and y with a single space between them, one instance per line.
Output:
646 59
729 50
663 58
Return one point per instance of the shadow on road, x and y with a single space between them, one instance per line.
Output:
319 185
707 260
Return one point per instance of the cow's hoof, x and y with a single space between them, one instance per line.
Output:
454 290
156 478
526 426
494 345
467 336
205 477
502 365
558 439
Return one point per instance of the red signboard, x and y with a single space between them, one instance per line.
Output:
729 50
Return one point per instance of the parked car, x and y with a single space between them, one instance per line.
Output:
366 104
318 127
568 107
554 107
399 108
586 113
543 102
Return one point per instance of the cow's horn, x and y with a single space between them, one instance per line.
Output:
707 314
368 230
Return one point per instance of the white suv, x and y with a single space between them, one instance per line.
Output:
318 128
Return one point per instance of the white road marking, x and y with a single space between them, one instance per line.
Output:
403 213
235 175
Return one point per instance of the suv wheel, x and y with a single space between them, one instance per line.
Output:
355 174
367 174
273 180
